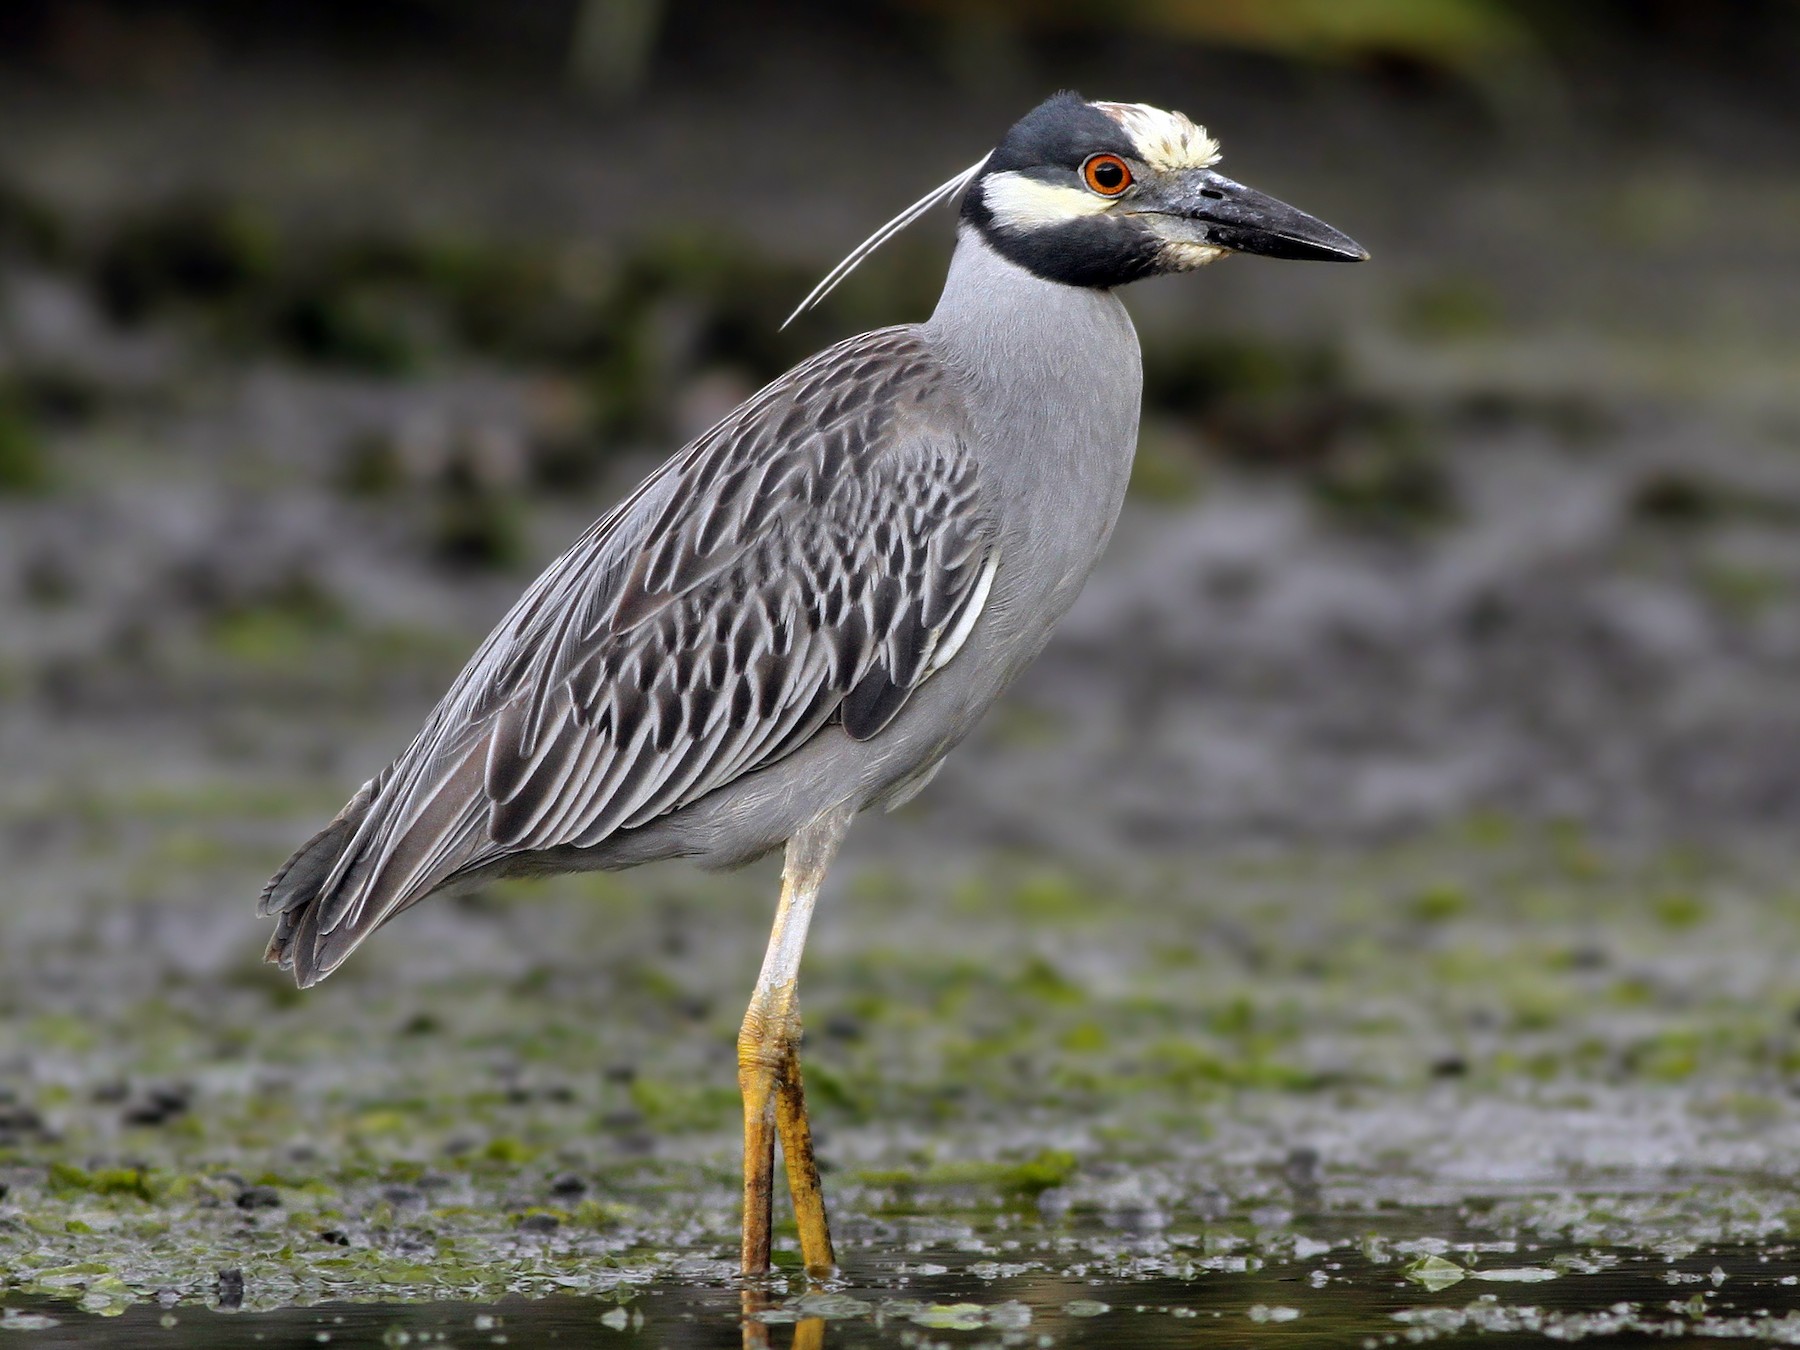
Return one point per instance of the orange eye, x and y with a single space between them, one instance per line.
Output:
1106 174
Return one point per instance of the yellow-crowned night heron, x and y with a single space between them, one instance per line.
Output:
799 615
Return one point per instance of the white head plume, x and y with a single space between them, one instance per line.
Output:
942 193
1166 139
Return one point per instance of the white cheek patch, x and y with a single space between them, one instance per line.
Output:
1164 139
1019 203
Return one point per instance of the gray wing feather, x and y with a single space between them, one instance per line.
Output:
800 563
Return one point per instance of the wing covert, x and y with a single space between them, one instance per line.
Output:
812 559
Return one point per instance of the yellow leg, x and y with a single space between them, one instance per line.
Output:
769 1064
756 1082
803 1174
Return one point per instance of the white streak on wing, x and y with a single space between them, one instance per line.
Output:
698 760
952 642
598 795
1021 203
942 193
433 857
573 795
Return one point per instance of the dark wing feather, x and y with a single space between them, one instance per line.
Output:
815 556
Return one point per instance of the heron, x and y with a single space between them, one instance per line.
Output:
800 614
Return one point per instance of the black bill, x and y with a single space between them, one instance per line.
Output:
1247 221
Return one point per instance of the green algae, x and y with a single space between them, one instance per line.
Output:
66 1179
1024 1180
1311 1035
25 463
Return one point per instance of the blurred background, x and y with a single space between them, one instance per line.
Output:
325 326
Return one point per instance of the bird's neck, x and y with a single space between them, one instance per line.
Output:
1050 368
1014 330
1052 384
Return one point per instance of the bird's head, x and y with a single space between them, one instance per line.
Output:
1099 194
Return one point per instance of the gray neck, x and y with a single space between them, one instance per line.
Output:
1052 376
1013 330
1052 384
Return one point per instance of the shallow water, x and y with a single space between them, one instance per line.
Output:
1347 1279
1315 1098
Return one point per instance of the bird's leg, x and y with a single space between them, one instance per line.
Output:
769 1062
803 1170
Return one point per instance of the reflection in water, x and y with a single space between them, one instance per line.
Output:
809 1332
1350 1287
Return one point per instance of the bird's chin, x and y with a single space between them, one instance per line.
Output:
1185 255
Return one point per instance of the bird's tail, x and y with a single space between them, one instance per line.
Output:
377 856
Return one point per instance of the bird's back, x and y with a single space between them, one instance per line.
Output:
799 569
804 608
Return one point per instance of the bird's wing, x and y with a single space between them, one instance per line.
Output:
810 560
